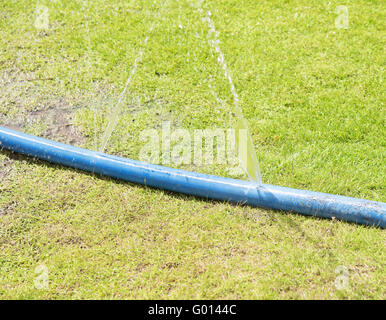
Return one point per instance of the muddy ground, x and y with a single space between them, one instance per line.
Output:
27 105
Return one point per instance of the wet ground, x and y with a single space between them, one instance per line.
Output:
30 104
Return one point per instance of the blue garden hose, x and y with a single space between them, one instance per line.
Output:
197 184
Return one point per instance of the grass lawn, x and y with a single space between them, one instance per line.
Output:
313 96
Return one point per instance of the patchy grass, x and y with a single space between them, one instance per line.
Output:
314 100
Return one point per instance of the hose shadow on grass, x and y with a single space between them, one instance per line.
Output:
268 216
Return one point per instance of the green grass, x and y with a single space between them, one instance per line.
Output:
313 96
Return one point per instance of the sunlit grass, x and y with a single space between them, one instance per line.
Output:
313 96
